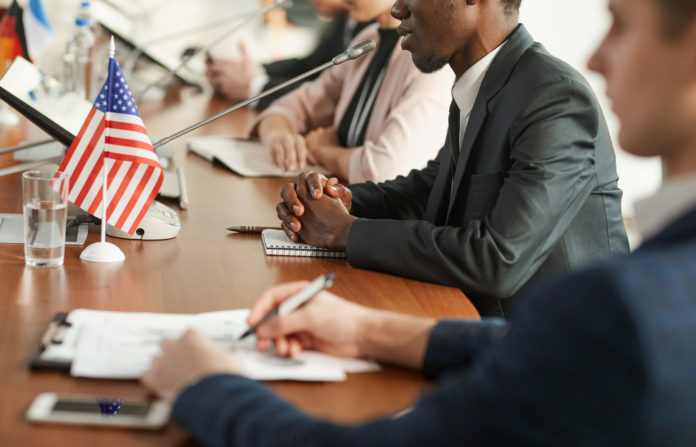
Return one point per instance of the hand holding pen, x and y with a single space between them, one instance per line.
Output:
325 323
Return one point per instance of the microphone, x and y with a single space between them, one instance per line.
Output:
355 52
249 19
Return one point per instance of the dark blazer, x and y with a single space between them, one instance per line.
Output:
534 193
333 42
611 363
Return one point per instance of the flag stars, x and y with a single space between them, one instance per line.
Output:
104 103
121 91
120 102
102 96
114 107
124 107
117 84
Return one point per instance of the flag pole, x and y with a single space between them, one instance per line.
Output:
104 251
112 53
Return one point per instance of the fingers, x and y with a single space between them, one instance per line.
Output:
316 183
301 147
270 298
286 325
290 233
288 152
289 196
278 154
334 189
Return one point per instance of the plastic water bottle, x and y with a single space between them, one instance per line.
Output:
86 13
78 59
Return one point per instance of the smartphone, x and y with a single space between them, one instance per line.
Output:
104 411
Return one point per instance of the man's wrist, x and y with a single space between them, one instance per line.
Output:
340 239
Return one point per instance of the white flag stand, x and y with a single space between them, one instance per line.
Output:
104 251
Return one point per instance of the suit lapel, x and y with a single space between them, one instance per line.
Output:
496 77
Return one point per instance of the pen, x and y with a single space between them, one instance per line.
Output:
295 301
251 229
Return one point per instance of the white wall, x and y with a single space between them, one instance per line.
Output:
571 30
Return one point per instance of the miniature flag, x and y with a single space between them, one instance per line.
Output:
13 42
38 30
115 134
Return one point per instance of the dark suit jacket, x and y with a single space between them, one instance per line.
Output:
332 43
534 194
605 358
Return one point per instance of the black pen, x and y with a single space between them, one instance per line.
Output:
295 301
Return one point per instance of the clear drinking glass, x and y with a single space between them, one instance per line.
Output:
45 210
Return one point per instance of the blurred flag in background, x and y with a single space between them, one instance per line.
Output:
13 41
38 30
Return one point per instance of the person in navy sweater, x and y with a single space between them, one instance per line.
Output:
603 357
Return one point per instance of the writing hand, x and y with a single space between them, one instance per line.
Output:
326 323
184 361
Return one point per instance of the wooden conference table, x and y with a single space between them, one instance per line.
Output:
204 269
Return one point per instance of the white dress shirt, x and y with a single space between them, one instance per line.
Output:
466 89
672 201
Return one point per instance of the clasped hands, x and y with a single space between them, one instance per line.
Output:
316 211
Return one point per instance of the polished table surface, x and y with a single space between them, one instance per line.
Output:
204 269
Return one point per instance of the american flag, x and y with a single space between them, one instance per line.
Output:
114 133
110 407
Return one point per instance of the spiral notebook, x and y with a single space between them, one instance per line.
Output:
276 243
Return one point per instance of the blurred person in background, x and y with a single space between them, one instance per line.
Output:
371 119
243 79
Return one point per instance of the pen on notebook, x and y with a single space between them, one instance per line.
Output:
295 301
251 229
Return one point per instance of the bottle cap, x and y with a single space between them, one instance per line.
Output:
81 21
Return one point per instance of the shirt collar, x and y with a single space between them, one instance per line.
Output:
466 88
675 199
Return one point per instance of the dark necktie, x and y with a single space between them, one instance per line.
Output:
454 121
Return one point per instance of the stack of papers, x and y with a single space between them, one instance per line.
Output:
122 345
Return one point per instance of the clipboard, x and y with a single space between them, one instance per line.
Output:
53 335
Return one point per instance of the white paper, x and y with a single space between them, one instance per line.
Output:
122 345
246 158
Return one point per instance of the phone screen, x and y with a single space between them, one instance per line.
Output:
107 407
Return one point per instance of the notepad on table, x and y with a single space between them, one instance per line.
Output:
276 243
247 158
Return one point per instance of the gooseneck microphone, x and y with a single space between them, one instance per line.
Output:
354 52
259 13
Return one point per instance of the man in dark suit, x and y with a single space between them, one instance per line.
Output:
525 188
244 79
604 358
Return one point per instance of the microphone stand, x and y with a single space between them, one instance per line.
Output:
242 104
248 20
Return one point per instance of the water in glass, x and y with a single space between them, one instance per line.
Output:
44 233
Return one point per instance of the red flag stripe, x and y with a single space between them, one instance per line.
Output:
129 143
149 200
88 151
121 189
76 141
134 198
141 160
126 126
96 172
